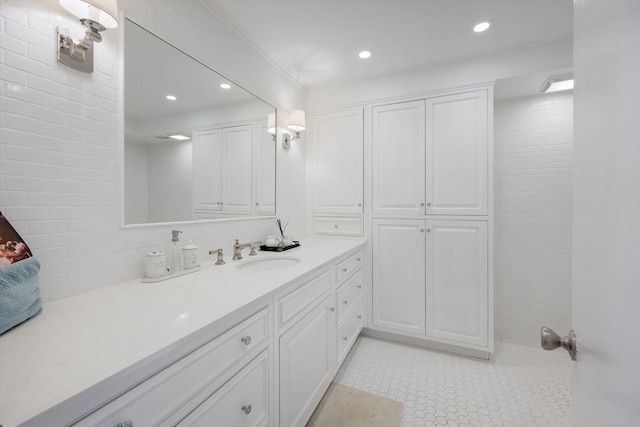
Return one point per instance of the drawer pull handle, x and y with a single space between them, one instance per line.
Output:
127 423
246 340
345 338
344 270
246 409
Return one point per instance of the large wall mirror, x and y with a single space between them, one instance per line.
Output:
193 149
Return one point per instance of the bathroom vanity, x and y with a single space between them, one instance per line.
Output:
247 343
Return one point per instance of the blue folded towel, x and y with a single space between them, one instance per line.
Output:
19 293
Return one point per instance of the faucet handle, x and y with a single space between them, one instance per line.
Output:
220 260
253 249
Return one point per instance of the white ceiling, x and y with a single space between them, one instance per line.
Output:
317 42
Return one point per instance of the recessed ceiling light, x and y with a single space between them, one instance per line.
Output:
225 86
364 54
180 137
171 97
483 26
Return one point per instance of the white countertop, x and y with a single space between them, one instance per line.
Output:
78 342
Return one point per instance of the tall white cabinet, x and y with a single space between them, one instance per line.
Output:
431 219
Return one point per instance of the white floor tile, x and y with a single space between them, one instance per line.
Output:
521 386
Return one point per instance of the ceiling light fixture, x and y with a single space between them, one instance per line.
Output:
225 86
171 97
557 84
365 54
96 16
482 26
180 137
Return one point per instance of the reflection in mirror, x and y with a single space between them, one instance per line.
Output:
205 153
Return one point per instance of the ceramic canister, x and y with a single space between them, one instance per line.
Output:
190 255
156 264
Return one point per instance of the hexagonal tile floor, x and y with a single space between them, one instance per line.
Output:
521 387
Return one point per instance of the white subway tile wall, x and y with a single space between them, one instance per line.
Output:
533 216
60 159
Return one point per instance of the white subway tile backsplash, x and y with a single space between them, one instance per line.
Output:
533 216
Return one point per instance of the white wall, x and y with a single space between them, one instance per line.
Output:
533 216
60 141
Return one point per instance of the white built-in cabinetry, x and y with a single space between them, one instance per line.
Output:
429 176
431 219
233 170
336 145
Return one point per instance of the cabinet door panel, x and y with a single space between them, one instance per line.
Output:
398 159
238 154
207 164
457 293
457 154
306 364
399 275
337 157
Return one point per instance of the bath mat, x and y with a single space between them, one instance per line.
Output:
343 406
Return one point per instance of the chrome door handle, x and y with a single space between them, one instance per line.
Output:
549 340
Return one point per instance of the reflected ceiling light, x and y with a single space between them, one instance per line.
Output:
482 26
96 16
365 54
171 97
225 86
557 84
180 137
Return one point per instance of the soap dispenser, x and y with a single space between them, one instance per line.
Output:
176 252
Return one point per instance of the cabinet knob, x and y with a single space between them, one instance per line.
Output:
428 230
335 225
359 204
332 309
345 302
246 409
359 316
344 270
345 338
429 204
246 340
421 204
127 423
422 230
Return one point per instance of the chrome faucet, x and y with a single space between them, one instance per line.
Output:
238 247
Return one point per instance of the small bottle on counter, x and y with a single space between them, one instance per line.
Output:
176 252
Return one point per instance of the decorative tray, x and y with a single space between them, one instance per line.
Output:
296 243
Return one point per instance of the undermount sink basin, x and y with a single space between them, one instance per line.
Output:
268 264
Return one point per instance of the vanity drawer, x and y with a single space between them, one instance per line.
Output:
338 226
243 401
348 266
295 302
349 331
175 387
349 294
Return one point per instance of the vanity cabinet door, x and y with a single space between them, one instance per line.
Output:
398 174
207 164
237 169
399 275
306 364
457 154
457 282
337 142
241 402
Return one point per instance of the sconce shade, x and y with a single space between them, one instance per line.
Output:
104 12
271 123
297 120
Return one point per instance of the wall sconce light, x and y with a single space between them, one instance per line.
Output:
95 16
557 83
297 124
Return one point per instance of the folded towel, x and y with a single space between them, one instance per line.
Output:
19 293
